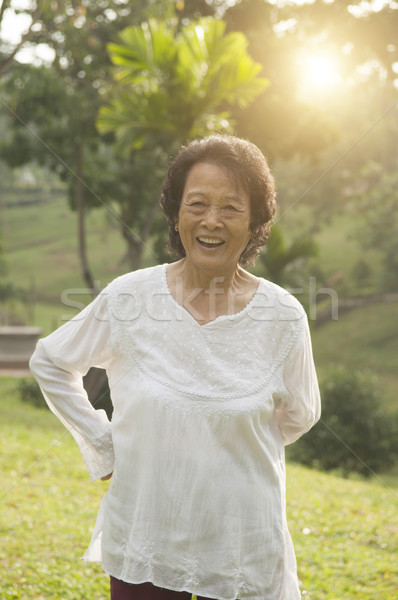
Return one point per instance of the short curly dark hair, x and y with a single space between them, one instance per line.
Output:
248 166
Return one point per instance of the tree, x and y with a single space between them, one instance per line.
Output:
9 50
361 32
279 122
318 147
52 109
49 20
171 85
45 129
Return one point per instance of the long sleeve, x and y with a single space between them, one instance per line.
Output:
299 408
59 363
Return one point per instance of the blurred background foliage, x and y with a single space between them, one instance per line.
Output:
95 98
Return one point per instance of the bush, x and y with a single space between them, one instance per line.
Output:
354 434
29 391
362 273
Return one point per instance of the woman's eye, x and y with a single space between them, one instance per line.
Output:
230 207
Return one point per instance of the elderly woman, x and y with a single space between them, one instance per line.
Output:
211 374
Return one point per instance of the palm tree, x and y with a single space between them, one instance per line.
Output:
174 85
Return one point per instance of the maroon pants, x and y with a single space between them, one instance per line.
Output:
120 590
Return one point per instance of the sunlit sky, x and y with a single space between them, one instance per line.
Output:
14 26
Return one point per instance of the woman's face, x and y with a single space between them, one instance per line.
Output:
214 217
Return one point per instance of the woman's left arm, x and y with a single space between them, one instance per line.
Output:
59 363
299 408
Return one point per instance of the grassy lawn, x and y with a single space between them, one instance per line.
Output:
345 531
47 508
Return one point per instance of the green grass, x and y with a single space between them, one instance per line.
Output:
47 508
345 532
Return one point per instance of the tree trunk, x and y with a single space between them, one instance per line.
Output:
137 243
134 249
80 209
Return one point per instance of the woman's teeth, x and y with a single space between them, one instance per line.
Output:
211 241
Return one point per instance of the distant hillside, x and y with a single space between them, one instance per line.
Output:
41 255
364 338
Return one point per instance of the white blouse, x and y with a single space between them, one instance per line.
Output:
196 442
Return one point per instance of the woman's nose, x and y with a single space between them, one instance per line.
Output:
211 218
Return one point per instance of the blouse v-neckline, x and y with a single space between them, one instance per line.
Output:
217 320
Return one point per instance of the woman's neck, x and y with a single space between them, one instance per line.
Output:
207 294
220 280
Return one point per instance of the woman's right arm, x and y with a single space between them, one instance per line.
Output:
300 407
59 363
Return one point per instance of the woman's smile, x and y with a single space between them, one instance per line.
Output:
208 242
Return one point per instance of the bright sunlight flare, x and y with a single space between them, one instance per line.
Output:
318 74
